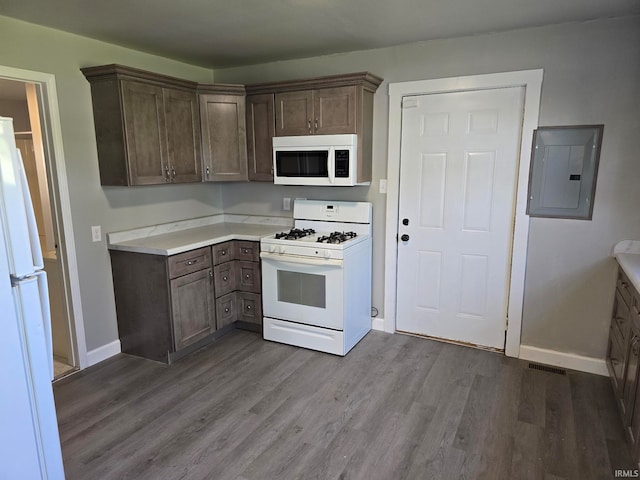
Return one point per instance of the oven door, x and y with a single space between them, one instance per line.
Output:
303 289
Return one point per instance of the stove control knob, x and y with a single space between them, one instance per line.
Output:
327 254
282 250
272 249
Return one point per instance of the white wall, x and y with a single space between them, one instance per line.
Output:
32 47
592 75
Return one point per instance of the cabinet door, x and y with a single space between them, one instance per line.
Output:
226 309
225 278
183 135
224 138
630 376
145 132
248 276
260 131
615 362
249 307
632 385
334 110
294 113
193 307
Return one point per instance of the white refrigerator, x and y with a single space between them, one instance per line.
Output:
30 443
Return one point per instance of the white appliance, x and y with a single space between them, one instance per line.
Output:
31 445
329 160
316 278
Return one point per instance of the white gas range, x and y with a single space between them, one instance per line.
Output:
316 279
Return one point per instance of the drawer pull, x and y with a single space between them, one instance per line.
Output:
248 307
223 252
225 278
226 310
247 276
192 262
211 273
244 250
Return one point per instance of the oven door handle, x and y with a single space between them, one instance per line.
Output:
325 262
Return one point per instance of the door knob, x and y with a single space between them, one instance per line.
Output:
404 238
405 221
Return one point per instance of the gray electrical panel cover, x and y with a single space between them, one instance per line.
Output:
564 167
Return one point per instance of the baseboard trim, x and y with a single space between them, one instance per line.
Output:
377 323
564 360
102 353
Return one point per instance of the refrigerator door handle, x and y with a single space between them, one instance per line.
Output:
34 239
43 291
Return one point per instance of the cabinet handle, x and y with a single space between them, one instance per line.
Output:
211 275
207 172
173 173
309 123
316 124
223 252
248 307
226 310
191 262
225 278
166 174
247 276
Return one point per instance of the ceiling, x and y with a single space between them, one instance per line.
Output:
222 33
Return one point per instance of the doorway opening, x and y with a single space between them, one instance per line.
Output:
24 101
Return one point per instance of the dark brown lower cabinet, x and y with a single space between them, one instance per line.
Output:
164 304
193 308
169 306
238 284
623 359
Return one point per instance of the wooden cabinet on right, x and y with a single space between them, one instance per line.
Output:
623 358
338 104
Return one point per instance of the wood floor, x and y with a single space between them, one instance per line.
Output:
397 407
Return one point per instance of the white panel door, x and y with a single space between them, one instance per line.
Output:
458 177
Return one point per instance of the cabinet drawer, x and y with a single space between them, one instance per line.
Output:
250 307
226 310
623 285
189 262
222 252
248 276
246 250
224 278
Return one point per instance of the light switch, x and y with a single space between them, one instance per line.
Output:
286 203
383 185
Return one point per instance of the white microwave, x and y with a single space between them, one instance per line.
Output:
325 160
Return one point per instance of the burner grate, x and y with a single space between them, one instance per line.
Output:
295 234
337 237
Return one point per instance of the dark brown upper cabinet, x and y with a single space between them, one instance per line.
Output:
321 106
260 131
324 111
147 128
224 137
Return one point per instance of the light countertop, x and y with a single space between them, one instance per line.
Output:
179 237
628 255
